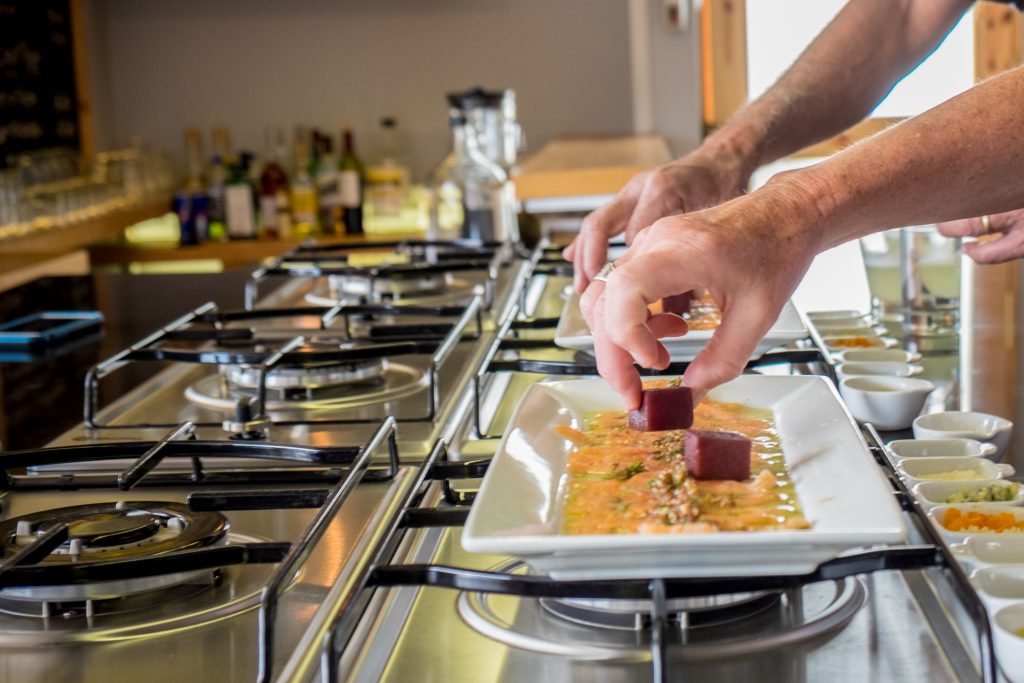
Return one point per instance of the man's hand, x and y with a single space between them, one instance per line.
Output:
1007 246
743 252
696 181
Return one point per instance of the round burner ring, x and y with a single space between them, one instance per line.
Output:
455 289
430 283
112 531
399 380
477 611
315 377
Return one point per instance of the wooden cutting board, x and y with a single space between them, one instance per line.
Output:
588 166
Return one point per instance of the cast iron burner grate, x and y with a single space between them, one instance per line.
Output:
296 368
410 271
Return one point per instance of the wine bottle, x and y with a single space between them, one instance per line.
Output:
240 200
275 222
351 175
303 192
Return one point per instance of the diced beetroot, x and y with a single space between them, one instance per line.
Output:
717 455
661 409
677 303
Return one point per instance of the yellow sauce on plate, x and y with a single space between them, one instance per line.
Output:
622 481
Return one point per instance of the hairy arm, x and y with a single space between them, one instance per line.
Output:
960 159
838 79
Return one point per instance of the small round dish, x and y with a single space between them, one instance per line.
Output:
975 470
1009 622
883 368
982 551
999 586
963 424
933 493
940 448
889 403
937 516
876 356
860 341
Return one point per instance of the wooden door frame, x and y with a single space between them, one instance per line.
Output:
997 47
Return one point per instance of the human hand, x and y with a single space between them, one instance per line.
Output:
1007 246
750 256
696 181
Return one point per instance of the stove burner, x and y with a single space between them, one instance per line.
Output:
389 287
396 381
106 529
109 531
423 290
699 629
316 377
202 599
634 615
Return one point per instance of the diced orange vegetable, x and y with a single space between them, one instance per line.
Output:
974 520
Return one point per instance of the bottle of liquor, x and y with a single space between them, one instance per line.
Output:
240 200
387 179
189 202
275 215
221 143
350 184
326 178
193 161
218 176
303 192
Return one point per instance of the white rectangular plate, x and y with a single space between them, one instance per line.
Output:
840 488
574 333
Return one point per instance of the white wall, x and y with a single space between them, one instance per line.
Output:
162 66
675 76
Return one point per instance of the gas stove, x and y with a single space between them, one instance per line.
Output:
284 501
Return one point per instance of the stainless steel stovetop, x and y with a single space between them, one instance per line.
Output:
327 539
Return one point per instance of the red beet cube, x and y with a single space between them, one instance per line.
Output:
717 455
661 409
677 303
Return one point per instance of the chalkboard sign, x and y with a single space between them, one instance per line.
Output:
37 77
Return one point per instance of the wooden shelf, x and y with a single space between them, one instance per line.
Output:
61 240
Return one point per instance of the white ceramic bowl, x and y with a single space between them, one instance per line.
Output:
887 402
933 493
999 586
968 425
880 368
869 341
988 551
876 356
937 515
1010 646
918 469
940 448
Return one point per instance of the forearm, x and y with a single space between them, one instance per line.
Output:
838 79
960 159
